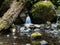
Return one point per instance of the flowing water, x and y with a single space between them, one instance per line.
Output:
28 20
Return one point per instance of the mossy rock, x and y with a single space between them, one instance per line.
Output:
42 11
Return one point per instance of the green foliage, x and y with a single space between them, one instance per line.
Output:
58 8
44 11
56 2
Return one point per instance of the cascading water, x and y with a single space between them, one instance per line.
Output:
28 20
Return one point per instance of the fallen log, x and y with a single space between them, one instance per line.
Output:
10 16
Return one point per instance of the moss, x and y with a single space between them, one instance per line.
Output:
10 16
43 10
3 24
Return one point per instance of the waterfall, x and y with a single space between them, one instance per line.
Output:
28 20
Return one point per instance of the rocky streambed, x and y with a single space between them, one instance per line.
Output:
21 35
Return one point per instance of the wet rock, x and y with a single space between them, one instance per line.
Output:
28 44
43 42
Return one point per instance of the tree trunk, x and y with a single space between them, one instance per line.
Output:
11 14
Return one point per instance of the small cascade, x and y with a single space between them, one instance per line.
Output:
28 21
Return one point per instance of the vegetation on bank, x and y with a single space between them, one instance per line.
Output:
43 11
